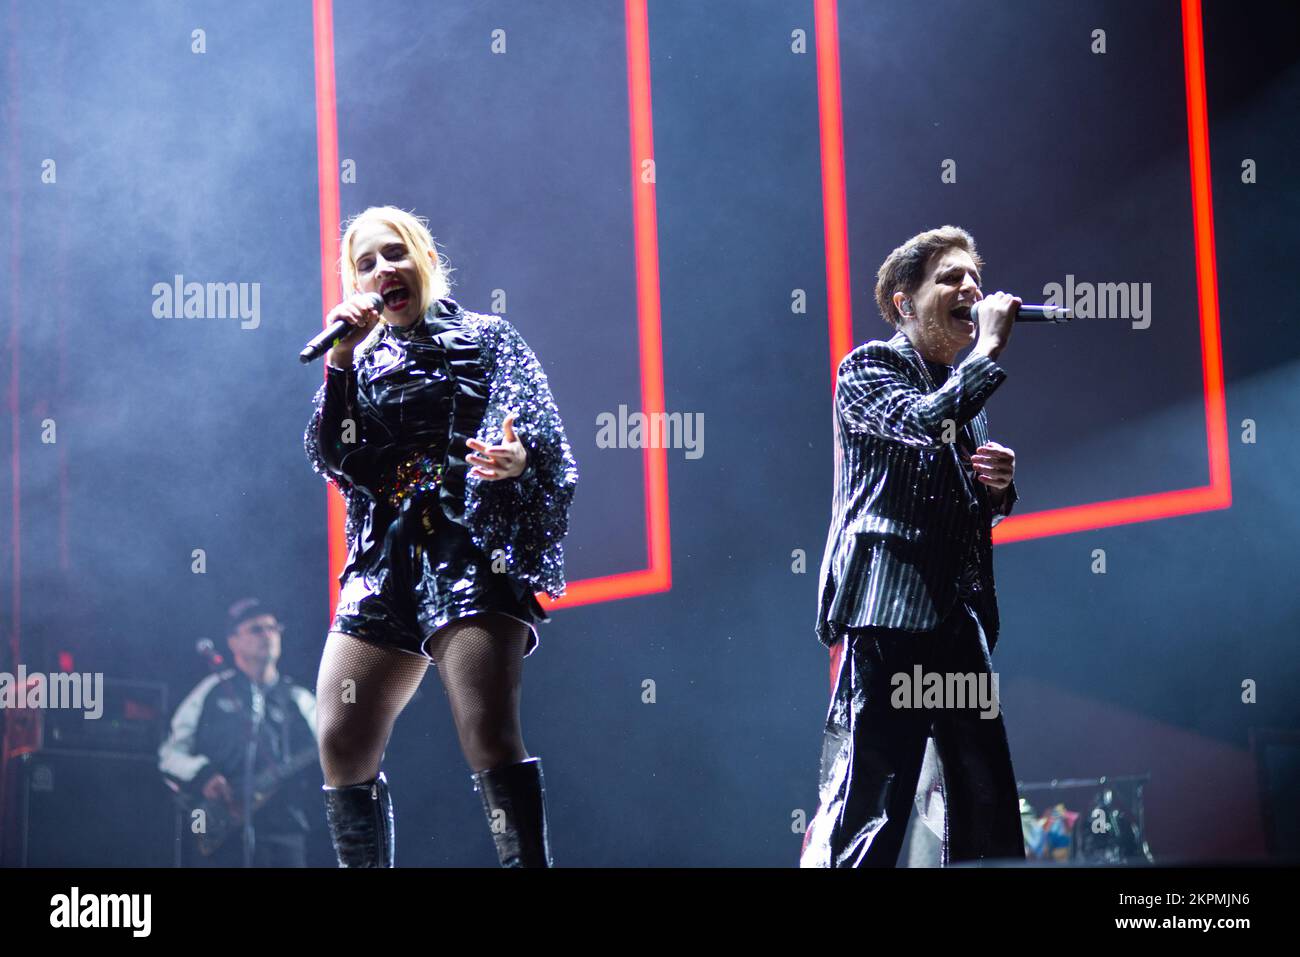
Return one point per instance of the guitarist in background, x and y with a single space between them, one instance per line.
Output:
237 719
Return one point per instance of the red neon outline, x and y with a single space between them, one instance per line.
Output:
327 182
1076 518
657 576
839 301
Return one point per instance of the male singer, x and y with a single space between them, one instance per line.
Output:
907 575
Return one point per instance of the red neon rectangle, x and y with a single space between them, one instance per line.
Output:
1061 521
657 576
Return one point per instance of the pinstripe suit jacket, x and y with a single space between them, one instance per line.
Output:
904 513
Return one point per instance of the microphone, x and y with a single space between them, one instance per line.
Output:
337 330
1029 313
208 651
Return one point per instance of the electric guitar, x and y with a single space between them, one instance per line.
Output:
221 819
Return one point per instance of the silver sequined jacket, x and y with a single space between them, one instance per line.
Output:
527 517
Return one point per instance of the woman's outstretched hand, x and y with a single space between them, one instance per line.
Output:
504 461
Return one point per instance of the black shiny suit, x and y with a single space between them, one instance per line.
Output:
907 580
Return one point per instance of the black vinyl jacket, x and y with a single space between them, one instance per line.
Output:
494 373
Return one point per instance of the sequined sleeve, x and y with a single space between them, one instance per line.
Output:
526 518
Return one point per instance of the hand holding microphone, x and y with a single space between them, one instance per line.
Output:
348 324
996 316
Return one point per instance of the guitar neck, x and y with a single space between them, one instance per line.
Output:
268 782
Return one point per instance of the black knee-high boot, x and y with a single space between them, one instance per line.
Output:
360 819
514 799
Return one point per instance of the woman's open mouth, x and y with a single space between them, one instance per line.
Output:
396 297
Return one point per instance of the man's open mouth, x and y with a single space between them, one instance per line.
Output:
962 313
396 296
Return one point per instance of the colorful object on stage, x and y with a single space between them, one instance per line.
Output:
1049 836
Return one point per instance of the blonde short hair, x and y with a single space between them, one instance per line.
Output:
414 230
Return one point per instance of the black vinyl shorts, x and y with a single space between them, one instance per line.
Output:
426 573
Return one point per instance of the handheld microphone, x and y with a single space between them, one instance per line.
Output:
337 330
208 651
1029 313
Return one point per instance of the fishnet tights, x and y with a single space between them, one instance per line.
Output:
362 688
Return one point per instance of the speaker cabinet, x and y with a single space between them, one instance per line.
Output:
88 809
